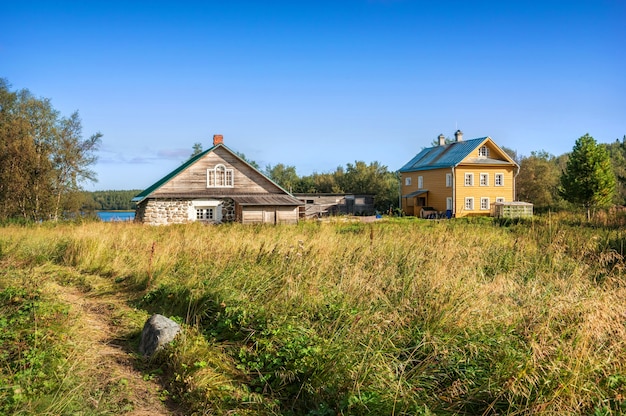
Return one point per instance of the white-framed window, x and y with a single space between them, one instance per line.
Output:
204 214
483 151
469 179
407 181
420 182
484 179
484 203
448 180
499 179
500 199
220 177
449 203
205 210
469 203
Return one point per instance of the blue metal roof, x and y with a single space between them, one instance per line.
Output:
446 156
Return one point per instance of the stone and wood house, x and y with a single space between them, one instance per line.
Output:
462 178
216 186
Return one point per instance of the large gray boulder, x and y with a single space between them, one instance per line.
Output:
157 332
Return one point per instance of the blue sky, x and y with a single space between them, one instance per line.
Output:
318 84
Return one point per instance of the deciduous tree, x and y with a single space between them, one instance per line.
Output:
43 158
538 179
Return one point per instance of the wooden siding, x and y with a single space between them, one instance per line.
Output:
434 182
269 215
494 151
194 178
477 192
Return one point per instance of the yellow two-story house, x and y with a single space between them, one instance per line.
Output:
462 178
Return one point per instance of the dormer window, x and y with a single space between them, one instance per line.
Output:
483 151
219 177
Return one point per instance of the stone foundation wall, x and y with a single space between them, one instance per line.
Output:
176 211
163 211
228 210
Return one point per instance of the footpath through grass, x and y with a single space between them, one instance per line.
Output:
395 317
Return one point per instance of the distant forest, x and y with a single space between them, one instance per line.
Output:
109 200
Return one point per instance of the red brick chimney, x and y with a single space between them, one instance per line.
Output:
218 139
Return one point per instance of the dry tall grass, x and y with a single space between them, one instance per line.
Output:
395 317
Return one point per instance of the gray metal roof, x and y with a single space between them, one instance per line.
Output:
242 199
266 199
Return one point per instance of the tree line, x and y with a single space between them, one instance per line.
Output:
109 200
44 161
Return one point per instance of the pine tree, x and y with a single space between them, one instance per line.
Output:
588 178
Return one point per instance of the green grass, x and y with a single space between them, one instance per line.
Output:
402 316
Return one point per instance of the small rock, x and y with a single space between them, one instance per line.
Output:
157 332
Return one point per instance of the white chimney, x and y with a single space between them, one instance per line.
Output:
459 136
442 140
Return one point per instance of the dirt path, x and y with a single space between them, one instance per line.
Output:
117 384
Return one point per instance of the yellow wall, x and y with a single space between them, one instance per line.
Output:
434 182
477 191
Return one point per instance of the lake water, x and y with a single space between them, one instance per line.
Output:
108 216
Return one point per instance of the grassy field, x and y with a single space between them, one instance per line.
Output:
397 317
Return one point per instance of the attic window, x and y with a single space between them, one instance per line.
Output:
219 177
483 151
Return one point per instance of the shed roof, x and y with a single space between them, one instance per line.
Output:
416 193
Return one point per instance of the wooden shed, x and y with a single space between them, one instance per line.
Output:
323 204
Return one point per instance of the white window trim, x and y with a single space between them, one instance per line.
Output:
469 176
500 199
483 151
448 180
495 180
449 203
470 200
212 175
482 205
420 182
215 205
407 181
484 175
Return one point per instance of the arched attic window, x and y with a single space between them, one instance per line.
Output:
483 151
220 177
